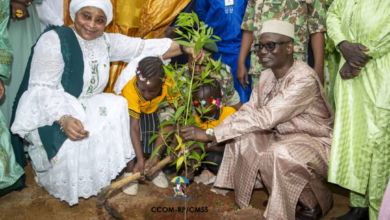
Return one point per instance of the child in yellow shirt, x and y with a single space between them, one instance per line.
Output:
148 88
210 95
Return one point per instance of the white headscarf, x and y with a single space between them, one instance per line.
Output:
105 5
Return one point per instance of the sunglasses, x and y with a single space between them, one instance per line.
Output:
268 46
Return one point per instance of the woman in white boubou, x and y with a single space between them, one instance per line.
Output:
96 125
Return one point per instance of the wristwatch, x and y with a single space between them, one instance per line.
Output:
210 133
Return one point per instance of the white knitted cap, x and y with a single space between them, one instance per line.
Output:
278 27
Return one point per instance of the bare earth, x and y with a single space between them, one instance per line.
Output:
34 202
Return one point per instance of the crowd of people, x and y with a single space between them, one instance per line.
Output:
82 104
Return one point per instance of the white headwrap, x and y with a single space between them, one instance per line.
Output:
105 5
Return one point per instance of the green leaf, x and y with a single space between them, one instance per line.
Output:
155 152
191 120
168 151
154 137
193 157
179 111
203 155
175 103
203 26
196 155
180 142
196 19
198 110
179 162
216 37
174 162
169 122
184 43
208 162
190 143
201 145
162 103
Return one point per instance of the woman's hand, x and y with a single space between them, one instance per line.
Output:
193 133
74 129
347 72
191 51
17 6
139 167
353 54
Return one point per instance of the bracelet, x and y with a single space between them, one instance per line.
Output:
182 49
62 122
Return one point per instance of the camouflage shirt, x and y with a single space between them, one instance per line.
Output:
308 17
225 78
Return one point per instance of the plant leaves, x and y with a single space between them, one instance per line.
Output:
201 145
179 162
154 137
209 162
184 43
155 152
179 142
179 111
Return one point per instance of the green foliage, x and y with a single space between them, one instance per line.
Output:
234 207
183 89
219 202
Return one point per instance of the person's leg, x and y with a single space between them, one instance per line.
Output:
286 173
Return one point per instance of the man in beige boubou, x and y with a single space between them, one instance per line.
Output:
281 138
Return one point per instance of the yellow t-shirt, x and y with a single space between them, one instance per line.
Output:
225 112
137 104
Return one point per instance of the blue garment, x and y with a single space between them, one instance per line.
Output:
226 22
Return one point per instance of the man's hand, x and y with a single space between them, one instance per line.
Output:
193 133
74 129
242 76
139 167
2 89
353 54
151 163
347 72
17 6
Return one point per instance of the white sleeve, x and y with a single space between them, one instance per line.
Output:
45 100
47 15
132 50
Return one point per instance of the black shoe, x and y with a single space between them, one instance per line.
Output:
309 214
355 213
168 170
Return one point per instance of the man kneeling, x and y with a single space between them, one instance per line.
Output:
281 138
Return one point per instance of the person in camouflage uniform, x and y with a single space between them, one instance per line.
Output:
309 19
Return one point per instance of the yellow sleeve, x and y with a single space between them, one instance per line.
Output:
171 98
132 99
226 111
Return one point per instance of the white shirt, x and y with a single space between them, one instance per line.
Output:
51 12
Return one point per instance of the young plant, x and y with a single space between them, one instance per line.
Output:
198 33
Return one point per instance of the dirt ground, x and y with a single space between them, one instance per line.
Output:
34 202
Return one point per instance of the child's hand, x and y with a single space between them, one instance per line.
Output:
139 167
